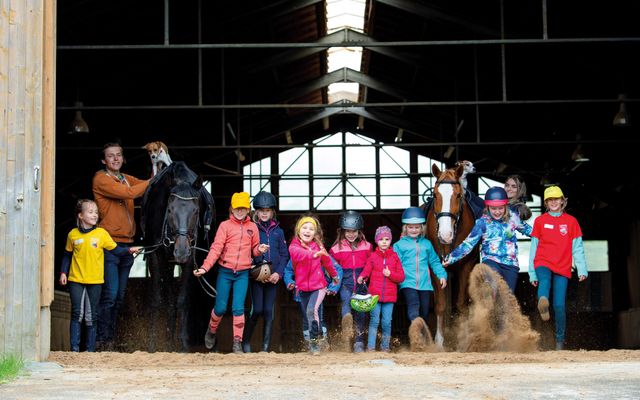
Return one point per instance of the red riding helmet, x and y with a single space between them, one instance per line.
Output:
496 196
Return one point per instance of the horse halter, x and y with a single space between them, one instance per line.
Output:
192 236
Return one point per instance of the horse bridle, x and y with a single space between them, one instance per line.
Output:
168 241
455 217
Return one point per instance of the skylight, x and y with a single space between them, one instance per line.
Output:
344 14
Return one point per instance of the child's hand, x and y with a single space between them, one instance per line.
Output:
386 271
443 283
534 283
291 286
360 280
322 252
581 278
263 248
335 280
445 262
63 279
274 278
331 293
200 271
135 250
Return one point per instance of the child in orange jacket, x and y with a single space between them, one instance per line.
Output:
237 241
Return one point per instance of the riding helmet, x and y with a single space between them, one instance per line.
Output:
351 220
413 215
264 200
496 196
261 272
363 302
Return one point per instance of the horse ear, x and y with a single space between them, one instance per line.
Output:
436 171
459 169
198 183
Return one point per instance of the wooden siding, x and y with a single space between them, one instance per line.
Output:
22 102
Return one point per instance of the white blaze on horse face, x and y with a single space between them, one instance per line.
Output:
445 224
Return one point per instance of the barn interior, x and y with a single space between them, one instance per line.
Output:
546 90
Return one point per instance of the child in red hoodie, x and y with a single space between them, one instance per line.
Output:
384 272
309 257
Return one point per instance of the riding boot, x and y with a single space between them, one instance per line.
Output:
246 336
266 337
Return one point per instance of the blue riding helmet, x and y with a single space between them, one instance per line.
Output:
496 196
413 215
264 200
351 220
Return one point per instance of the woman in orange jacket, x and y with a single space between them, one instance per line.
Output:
237 241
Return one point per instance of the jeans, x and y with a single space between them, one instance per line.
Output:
508 272
84 307
116 274
386 309
226 280
417 303
305 322
546 279
347 289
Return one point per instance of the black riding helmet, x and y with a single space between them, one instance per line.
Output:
351 220
264 200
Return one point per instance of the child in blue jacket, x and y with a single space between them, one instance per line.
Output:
332 289
263 294
418 257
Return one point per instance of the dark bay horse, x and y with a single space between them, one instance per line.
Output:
176 216
449 221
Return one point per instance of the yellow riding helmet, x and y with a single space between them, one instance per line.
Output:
553 192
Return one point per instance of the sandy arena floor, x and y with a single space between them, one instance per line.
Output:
405 375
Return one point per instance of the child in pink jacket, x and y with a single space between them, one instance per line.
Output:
309 257
384 272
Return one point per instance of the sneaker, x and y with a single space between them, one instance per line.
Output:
543 308
209 339
237 347
314 347
358 347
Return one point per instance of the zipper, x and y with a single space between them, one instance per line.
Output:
235 267
417 264
384 278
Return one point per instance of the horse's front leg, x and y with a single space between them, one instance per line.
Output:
440 305
153 264
170 326
183 308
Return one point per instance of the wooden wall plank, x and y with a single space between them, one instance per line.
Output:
4 129
32 152
47 173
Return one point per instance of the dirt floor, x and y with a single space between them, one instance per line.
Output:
333 375
497 358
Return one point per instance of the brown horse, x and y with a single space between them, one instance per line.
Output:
449 222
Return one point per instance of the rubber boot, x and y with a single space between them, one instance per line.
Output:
91 337
75 329
209 339
237 347
266 337
246 336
